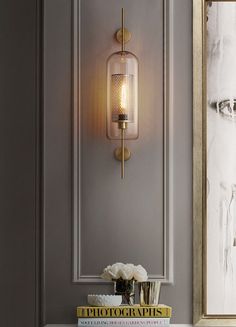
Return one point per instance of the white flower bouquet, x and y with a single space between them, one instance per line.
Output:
126 271
124 277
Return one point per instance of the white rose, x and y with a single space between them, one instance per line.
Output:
112 272
106 273
140 274
116 269
127 272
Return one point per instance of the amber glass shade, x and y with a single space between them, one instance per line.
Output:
122 94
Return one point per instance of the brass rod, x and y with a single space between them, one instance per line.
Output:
123 30
122 153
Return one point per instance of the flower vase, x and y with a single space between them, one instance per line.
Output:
126 288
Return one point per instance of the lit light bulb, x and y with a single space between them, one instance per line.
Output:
124 97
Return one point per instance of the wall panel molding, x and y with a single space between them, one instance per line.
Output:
167 276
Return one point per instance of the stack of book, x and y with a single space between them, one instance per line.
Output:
124 316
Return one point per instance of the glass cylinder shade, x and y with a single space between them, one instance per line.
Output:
122 95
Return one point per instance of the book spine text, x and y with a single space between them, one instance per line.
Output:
124 322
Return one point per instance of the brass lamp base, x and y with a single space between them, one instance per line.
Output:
118 154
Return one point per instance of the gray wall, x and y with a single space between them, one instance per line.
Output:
61 295
18 164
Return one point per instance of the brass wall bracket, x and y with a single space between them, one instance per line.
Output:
127 35
118 154
123 35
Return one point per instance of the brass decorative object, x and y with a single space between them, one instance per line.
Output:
149 293
118 154
119 35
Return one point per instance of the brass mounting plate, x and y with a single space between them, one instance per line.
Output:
127 35
117 154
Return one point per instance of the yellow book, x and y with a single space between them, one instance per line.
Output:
134 311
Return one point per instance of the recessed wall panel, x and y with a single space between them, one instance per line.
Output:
119 220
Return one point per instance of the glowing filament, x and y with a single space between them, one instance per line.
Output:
124 97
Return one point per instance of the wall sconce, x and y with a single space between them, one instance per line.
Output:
122 96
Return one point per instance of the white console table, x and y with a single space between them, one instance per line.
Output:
57 325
